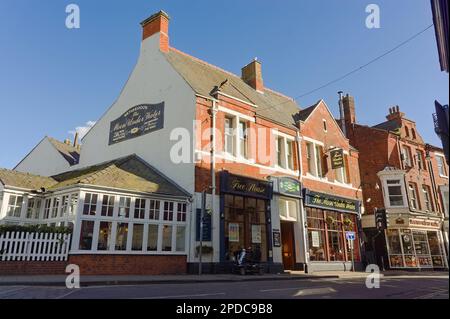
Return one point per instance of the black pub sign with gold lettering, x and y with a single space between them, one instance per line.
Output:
137 121
245 186
330 202
337 158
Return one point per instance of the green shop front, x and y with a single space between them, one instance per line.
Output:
245 213
332 222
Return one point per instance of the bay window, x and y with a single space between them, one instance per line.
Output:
124 207
181 238
168 211
64 206
167 238
152 240
47 206
34 206
395 193
181 212
86 235
154 209
121 236
138 236
105 236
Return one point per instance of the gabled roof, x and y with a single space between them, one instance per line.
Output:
304 114
24 180
129 173
202 77
70 153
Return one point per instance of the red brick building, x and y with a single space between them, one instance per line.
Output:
408 178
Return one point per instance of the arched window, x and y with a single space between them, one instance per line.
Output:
413 132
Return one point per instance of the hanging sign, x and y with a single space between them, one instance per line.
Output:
337 158
289 186
137 121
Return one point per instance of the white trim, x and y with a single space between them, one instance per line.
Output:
251 162
311 140
278 133
325 180
235 113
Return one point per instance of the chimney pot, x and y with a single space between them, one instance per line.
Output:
75 140
157 23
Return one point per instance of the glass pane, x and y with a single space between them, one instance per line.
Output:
86 234
104 236
407 241
138 236
181 238
316 240
394 242
167 238
121 236
152 244
336 246
433 241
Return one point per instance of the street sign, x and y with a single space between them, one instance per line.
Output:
350 235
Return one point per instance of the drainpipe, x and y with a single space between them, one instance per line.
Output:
303 220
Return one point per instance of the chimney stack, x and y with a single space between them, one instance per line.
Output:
252 75
157 23
349 109
75 140
395 114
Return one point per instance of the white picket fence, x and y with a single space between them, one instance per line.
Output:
21 246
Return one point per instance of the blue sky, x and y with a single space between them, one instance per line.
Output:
53 79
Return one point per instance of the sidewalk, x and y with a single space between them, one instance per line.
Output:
59 280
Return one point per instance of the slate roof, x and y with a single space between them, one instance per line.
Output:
391 126
70 153
305 113
129 173
202 77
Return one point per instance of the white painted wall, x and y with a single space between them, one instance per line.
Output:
43 160
152 81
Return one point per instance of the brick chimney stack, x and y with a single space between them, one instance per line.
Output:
349 109
157 23
395 114
252 75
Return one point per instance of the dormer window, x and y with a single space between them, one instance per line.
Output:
413 132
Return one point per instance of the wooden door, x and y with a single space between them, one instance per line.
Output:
287 245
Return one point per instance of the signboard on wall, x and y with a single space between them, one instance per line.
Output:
276 238
325 201
289 186
245 186
137 121
337 158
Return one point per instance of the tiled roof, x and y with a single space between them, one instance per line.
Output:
70 153
128 173
203 77
24 180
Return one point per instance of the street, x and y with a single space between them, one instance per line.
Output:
402 287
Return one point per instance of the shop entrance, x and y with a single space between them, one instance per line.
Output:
287 245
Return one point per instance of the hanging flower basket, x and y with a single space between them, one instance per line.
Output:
330 220
348 223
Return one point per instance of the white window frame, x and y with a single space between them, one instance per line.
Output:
443 166
243 137
290 216
428 205
407 154
15 205
413 196
229 134
401 183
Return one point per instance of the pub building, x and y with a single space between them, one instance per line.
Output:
139 193
408 179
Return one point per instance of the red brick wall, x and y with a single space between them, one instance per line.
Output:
11 268
129 264
100 265
313 128
203 117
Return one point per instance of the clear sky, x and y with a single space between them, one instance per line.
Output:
53 79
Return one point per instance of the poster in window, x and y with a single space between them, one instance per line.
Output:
315 238
256 234
233 232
